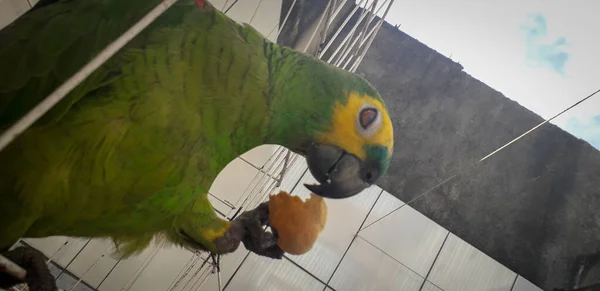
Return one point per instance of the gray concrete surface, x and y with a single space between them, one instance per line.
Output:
533 207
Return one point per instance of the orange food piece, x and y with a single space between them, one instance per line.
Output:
297 222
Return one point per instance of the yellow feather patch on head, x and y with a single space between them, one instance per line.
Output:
344 132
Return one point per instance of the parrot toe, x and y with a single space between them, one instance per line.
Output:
37 277
264 244
251 225
249 229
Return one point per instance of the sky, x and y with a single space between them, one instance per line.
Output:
545 55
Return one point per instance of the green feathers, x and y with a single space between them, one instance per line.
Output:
144 136
132 151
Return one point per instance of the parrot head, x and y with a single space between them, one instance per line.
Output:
355 151
337 120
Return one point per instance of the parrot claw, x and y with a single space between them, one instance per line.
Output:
36 275
248 228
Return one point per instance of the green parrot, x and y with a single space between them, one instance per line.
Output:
132 151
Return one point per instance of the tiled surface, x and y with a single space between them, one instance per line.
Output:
385 204
162 270
523 285
10 10
293 174
258 156
260 17
94 262
125 270
264 274
229 263
48 246
65 255
394 254
366 268
233 182
344 218
68 282
428 286
461 267
408 236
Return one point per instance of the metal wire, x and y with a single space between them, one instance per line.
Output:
363 14
371 37
185 270
357 39
138 272
473 165
318 25
265 182
255 11
39 110
90 268
283 23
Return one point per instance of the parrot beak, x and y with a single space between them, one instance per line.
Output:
340 174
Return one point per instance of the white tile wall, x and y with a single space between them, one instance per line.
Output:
365 268
236 179
68 282
163 270
50 246
264 274
94 262
408 236
461 267
229 264
125 270
258 156
386 204
68 252
428 286
11 10
523 284
344 218
293 174
410 239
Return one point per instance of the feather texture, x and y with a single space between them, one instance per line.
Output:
132 151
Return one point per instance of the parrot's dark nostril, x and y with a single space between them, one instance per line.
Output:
369 177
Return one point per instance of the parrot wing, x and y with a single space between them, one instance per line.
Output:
50 43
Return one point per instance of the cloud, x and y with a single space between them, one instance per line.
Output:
588 131
540 52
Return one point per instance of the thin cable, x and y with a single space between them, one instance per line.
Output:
472 166
232 4
317 28
38 111
195 275
546 121
189 265
90 268
345 47
224 5
323 36
371 37
370 17
255 11
360 39
341 27
155 249
283 23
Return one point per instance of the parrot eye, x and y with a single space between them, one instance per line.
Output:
367 117
368 120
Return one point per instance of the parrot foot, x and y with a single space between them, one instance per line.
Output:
248 228
36 275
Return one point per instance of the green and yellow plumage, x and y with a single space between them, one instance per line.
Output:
132 151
